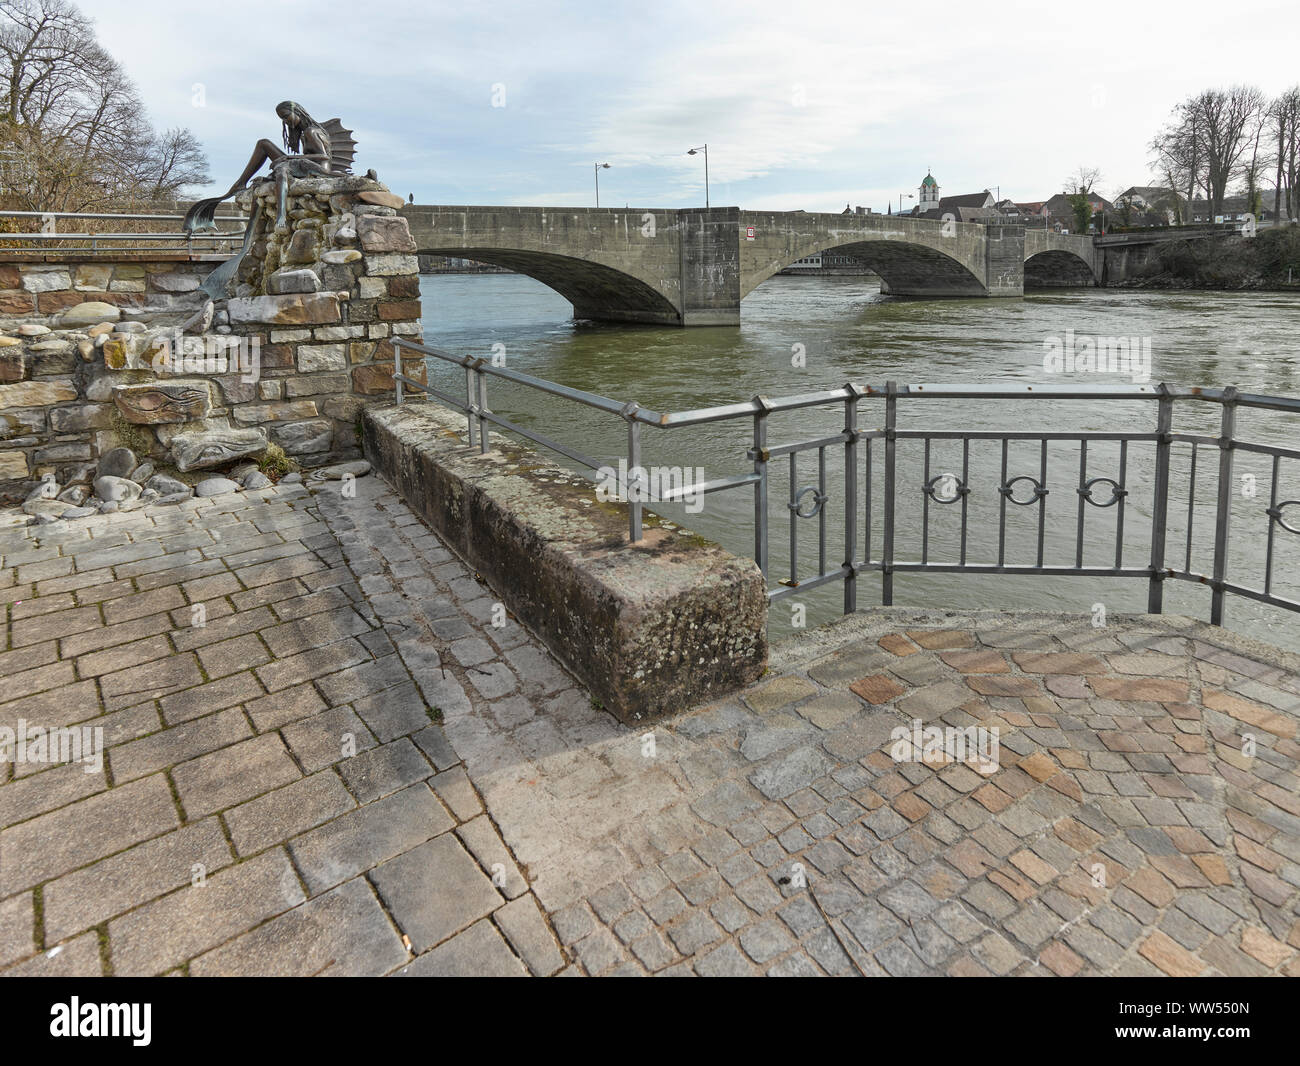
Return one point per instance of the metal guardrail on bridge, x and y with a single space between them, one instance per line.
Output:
48 237
862 450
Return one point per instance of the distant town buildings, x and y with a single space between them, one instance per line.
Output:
968 207
1138 205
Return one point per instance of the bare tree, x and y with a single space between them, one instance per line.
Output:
1082 180
1212 140
1178 154
42 43
174 160
72 121
1228 117
1252 164
1284 131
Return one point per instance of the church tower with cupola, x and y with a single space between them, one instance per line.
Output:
929 200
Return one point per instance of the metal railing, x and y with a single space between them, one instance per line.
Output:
871 469
49 238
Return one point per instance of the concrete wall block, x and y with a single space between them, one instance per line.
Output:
651 629
313 358
304 438
13 465
384 234
298 309
41 278
389 265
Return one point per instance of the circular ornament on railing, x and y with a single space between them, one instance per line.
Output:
1276 514
945 488
818 499
1008 489
1117 491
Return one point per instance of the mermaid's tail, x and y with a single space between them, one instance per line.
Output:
216 286
202 216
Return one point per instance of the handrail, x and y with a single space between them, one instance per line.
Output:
1023 490
49 239
217 236
837 395
109 214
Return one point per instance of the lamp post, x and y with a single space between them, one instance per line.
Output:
695 151
599 167
900 200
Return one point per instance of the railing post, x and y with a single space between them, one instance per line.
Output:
887 552
632 489
851 498
1160 502
760 486
397 372
471 404
1224 513
484 433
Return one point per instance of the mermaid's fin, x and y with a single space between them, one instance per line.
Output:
343 149
202 216
216 285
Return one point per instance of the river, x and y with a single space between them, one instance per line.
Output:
846 330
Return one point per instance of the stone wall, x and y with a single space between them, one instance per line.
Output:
651 628
33 291
91 357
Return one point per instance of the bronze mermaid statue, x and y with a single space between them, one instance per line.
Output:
311 149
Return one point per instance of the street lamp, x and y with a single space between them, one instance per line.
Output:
599 166
705 149
900 200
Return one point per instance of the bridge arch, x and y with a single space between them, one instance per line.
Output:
597 291
904 267
913 256
612 265
1058 268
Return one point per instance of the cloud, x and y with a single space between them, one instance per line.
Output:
799 106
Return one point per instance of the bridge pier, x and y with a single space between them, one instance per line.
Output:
709 257
1004 260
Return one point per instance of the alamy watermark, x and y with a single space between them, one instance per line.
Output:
55 744
641 484
974 745
130 1020
175 352
1088 354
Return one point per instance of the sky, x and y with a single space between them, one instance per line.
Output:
802 105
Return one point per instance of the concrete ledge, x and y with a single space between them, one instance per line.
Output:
652 629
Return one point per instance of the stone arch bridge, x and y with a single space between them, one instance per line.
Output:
693 267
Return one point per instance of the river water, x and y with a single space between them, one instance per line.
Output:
845 330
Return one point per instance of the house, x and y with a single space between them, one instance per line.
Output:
1060 211
1235 208
1150 205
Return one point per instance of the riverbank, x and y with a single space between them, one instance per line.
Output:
1268 262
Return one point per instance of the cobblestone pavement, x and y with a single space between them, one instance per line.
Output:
277 797
1123 831
284 755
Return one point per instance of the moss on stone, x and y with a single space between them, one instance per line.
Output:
129 435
